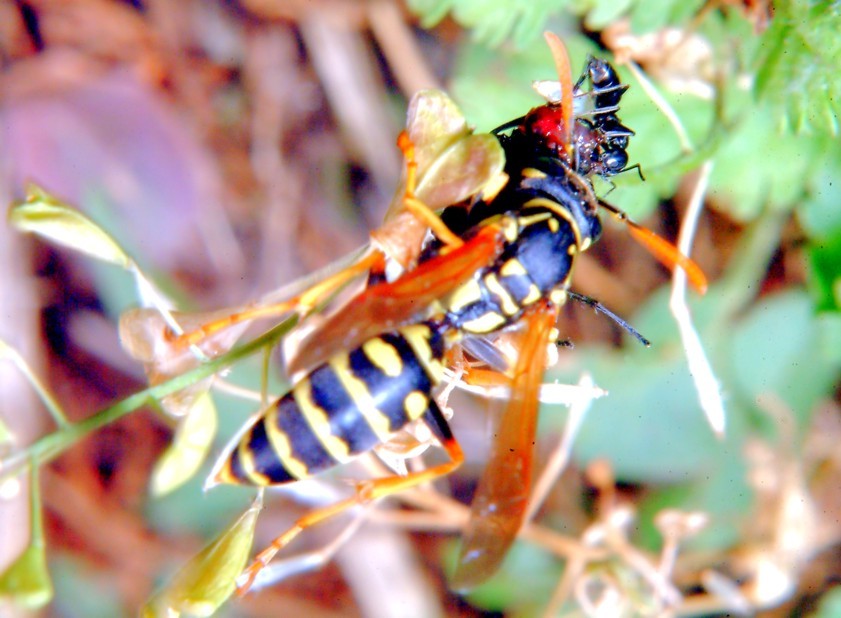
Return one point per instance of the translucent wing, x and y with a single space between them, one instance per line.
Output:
384 306
503 493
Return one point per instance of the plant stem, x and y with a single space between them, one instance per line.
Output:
54 444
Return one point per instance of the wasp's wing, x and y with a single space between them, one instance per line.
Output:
387 305
502 496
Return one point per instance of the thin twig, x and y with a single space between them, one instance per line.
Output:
572 572
52 445
399 47
229 388
46 397
709 390
561 455
664 106
550 393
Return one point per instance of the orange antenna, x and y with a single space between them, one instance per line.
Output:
562 66
665 252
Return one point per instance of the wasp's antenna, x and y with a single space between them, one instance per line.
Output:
600 308
660 248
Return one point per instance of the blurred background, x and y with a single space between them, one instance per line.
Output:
234 146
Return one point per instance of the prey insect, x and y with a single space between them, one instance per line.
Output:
601 140
597 141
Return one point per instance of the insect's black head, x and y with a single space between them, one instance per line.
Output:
613 161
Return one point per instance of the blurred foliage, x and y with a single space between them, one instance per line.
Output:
26 582
758 96
797 64
207 580
491 21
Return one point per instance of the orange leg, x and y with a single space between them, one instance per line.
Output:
668 255
416 206
366 492
375 261
487 377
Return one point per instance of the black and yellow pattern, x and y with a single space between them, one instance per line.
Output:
554 217
341 409
545 216
358 399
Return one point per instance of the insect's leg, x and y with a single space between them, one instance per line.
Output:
486 378
366 491
302 303
416 206
600 308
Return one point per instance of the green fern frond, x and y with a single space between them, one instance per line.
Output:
798 65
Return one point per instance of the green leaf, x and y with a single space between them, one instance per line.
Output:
825 273
798 64
47 216
430 12
523 583
27 581
830 604
492 21
209 578
723 493
603 14
778 349
778 167
656 146
819 213
189 448
504 77
650 426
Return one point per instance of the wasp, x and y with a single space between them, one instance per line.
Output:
372 368
353 400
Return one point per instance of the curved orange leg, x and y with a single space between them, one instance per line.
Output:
366 492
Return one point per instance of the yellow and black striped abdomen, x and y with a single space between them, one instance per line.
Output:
530 268
341 409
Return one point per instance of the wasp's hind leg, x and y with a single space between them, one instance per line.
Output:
366 492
